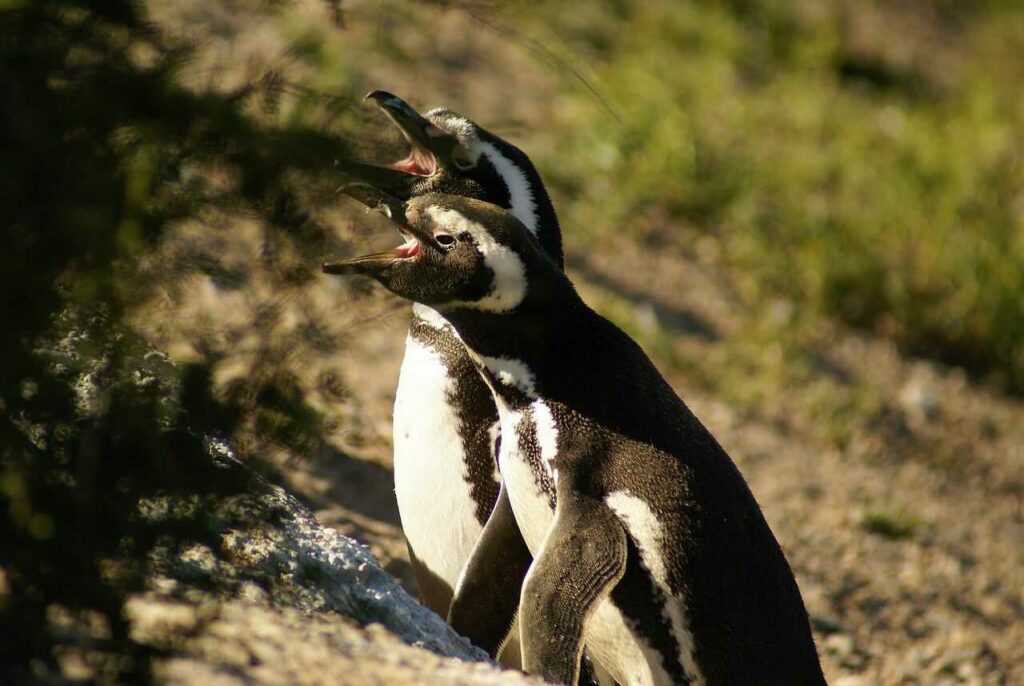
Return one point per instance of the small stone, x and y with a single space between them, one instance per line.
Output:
840 645
919 399
852 680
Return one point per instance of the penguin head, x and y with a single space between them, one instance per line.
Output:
451 154
459 253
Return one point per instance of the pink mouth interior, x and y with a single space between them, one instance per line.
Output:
410 248
419 163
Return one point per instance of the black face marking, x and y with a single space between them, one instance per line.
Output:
490 180
548 232
454 271
462 185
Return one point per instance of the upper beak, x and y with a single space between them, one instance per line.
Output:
430 146
414 125
374 198
392 208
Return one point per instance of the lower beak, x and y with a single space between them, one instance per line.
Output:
377 199
391 207
358 265
394 209
394 181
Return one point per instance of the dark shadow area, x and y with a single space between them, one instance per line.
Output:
105 150
358 485
878 75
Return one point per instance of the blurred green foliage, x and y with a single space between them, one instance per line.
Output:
869 170
891 523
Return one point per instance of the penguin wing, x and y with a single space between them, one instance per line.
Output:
487 593
582 558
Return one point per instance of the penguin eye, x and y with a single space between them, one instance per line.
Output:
460 156
444 240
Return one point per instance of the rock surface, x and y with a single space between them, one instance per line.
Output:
221 576
284 600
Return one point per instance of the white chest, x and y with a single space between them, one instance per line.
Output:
530 502
431 477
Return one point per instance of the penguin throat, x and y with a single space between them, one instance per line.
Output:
408 250
419 162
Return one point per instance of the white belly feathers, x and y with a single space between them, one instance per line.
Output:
430 468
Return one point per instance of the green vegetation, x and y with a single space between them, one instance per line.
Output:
866 165
891 523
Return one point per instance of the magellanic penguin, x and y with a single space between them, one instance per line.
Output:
648 544
445 420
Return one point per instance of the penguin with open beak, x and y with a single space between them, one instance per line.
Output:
446 426
648 546
451 154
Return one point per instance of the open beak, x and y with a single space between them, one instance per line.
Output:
394 209
421 135
429 147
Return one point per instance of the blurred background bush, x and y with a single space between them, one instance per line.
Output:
861 158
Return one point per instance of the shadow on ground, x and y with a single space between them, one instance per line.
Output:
674 318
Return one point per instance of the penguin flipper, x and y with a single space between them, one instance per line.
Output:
583 557
487 595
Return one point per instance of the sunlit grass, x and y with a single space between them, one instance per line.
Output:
891 201
862 186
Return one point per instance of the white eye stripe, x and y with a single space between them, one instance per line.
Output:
509 286
521 201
